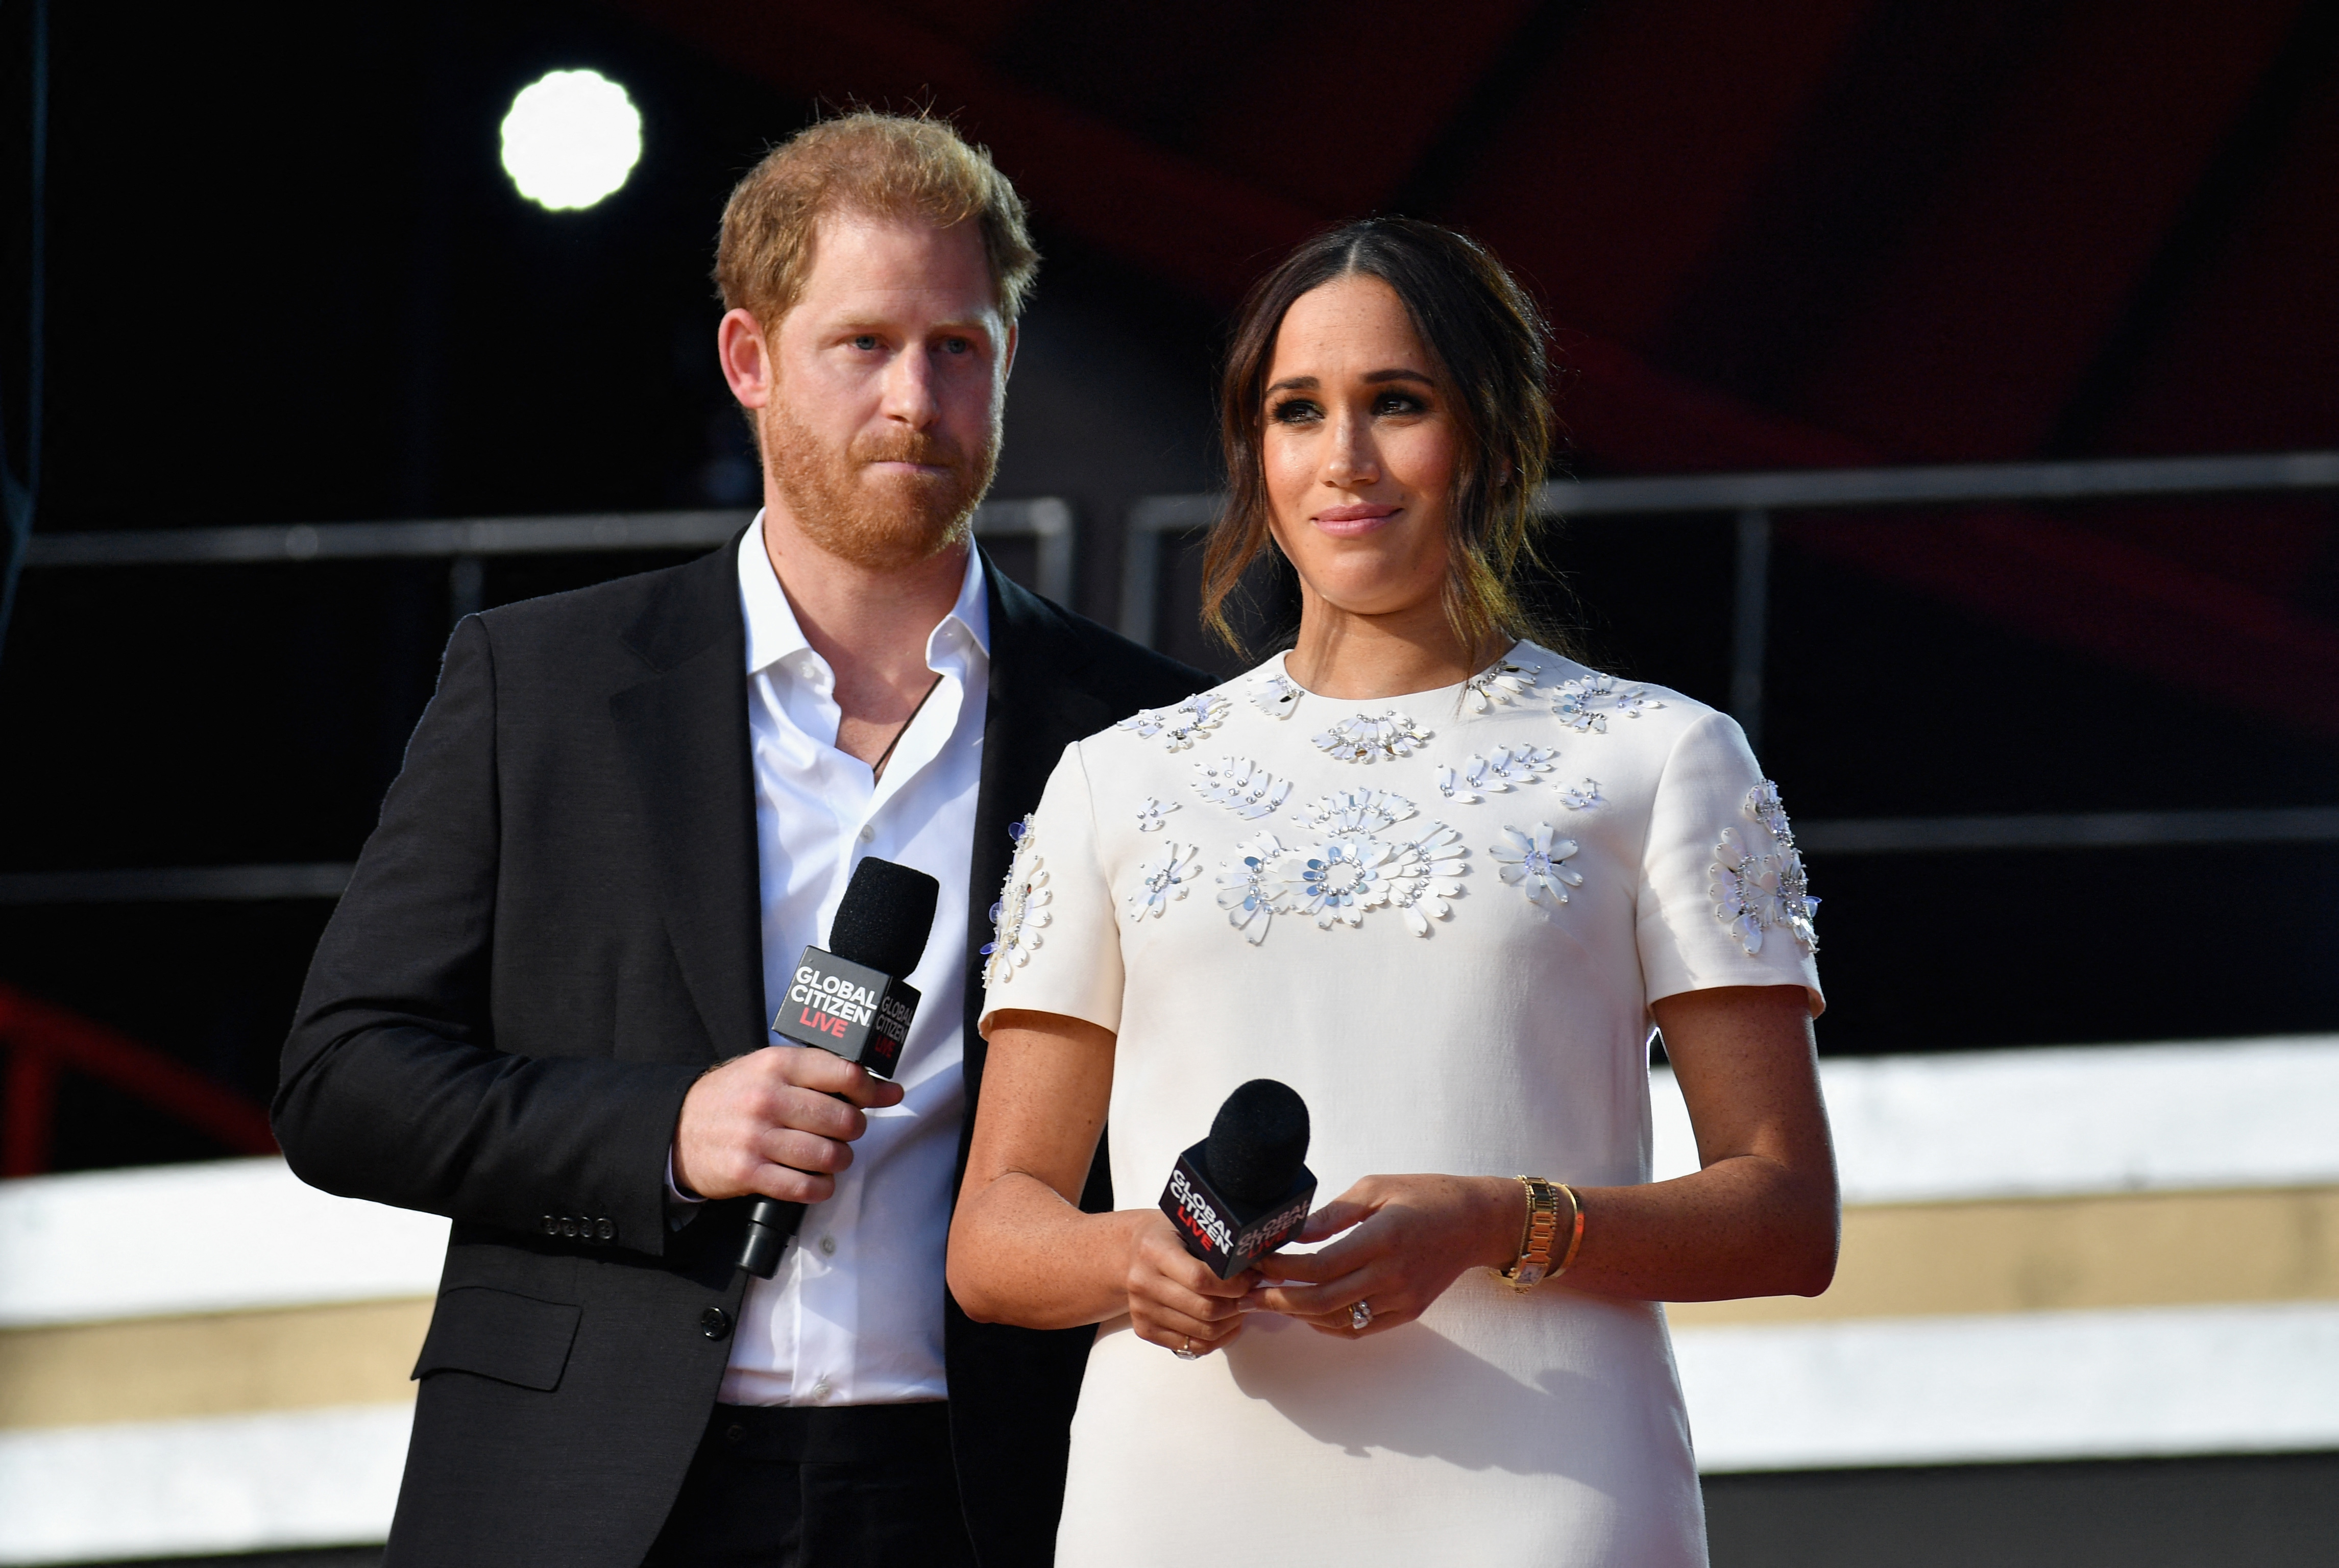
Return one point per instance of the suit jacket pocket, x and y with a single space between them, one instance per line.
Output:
499 1334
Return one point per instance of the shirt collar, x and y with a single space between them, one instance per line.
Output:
773 634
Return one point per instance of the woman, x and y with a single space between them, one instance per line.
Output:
1440 881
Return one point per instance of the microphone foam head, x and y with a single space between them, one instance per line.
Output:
1258 1141
885 917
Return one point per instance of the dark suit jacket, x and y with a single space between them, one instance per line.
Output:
555 929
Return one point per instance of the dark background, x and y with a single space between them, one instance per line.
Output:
289 282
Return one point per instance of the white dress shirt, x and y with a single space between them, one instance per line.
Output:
855 1314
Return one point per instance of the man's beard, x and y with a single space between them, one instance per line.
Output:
882 521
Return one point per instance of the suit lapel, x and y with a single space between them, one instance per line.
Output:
684 734
1039 704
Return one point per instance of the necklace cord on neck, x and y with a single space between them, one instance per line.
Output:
877 768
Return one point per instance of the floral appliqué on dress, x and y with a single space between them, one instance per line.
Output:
1535 860
1022 911
1498 773
1753 892
1276 696
1372 737
1501 685
1182 725
1585 705
1249 886
1357 810
1154 814
1240 785
1162 879
1338 880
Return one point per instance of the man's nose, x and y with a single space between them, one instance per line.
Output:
910 390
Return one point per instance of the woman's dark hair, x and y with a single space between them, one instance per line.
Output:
1488 340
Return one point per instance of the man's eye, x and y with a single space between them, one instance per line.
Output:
866 342
957 346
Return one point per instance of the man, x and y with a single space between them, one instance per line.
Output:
541 1007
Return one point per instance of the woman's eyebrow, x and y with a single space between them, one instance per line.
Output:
1397 373
1296 383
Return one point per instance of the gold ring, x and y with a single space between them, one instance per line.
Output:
1186 1351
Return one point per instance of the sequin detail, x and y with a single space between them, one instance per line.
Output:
1162 880
1357 810
1501 685
1182 725
1240 785
1022 913
1534 861
1276 696
1372 737
1498 773
1249 886
1587 704
1154 814
1753 892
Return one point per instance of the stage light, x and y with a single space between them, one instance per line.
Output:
570 138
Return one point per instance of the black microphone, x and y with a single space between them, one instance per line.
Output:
1243 1190
851 1001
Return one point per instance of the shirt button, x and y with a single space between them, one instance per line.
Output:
868 834
714 1322
828 1247
820 1389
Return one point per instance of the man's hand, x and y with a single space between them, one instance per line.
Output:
769 1123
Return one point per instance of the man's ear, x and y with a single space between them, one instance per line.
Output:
1007 361
746 359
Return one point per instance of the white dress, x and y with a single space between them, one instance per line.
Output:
1441 918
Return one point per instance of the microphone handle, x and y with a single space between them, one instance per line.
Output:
770 1223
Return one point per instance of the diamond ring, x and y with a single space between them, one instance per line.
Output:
1360 1315
1186 1351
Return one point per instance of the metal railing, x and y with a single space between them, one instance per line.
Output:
1749 498
467 542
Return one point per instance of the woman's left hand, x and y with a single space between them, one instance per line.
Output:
1408 1237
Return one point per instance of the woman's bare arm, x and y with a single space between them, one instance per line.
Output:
1021 1250
1760 1218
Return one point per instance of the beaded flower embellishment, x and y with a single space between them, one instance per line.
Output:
1498 773
1182 725
1276 696
1587 704
1753 893
1021 911
1162 879
1240 785
1534 861
1372 737
1501 685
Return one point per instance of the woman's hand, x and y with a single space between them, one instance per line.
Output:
1409 1238
1174 1299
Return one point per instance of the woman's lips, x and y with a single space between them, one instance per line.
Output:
1349 522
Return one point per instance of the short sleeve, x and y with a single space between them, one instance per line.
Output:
1723 900
1056 947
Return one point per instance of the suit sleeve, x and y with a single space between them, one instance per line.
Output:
392 1087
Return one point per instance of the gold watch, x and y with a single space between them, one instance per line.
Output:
1543 1229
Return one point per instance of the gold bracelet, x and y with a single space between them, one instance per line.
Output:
1575 1237
1533 1262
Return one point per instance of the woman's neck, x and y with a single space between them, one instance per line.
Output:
1357 657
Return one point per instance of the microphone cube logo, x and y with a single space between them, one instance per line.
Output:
848 1009
1230 1237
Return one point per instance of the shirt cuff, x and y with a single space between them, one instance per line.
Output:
681 1208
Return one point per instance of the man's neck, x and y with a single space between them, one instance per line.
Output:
870 624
